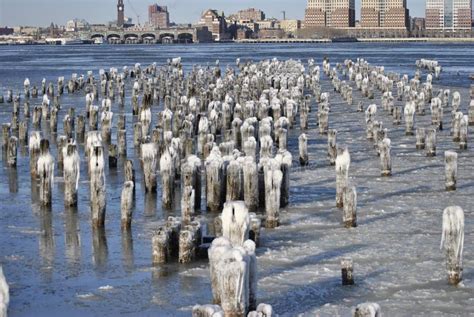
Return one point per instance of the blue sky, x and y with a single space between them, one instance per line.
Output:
42 12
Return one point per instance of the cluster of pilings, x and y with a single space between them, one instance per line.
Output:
222 134
416 94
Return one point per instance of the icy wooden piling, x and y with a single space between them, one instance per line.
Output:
451 169
187 203
463 132
332 146
149 161
349 215
4 294
343 161
235 222
97 187
34 149
273 177
420 138
250 179
430 146
234 186
303 149
452 241
367 310
214 180
161 246
233 276
12 151
126 204
71 173
167 178
45 168
385 157
122 142
347 271
263 310
409 113
207 311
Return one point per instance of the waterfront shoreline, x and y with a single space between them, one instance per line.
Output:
292 41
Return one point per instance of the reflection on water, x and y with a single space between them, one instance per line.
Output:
46 242
100 250
127 250
72 240
13 179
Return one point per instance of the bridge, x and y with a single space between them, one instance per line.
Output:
152 36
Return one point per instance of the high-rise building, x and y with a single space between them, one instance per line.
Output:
120 13
214 22
330 13
158 16
449 15
384 14
251 14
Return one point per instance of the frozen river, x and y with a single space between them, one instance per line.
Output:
57 265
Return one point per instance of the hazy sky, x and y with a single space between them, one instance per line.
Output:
43 12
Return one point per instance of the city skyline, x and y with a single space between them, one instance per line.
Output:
36 13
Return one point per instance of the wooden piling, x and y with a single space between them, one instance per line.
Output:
420 138
347 271
45 170
431 142
342 162
452 241
332 146
97 187
451 169
126 204
303 149
71 174
349 215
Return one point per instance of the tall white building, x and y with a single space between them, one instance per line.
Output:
448 15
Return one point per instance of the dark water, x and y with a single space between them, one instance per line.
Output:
57 265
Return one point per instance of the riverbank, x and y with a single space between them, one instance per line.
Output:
272 41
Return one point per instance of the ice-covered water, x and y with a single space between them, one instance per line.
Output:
57 265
